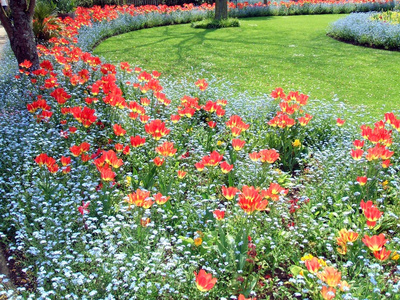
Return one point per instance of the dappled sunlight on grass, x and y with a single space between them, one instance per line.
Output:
293 52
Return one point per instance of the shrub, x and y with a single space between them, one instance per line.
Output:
214 24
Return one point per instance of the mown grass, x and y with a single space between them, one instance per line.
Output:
263 53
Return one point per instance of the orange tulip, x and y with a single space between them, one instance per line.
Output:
365 205
138 198
144 222
225 167
229 192
386 164
313 265
348 236
375 242
53 168
356 154
78 150
41 159
145 101
219 214
181 174
110 157
158 161
268 155
137 141
210 106
383 254
344 286
204 281
362 180
26 64
160 199
212 160
386 154
201 84
250 200
166 149
60 95
281 120
358 144
330 276
106 173
339 122
274 191
372 214
305 120
199 166
175 118
118 147
328 293
156 129
238 144
373 153
254 156
212 124
278 93
242 297
236 124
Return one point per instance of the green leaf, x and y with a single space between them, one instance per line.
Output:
296 270
186 240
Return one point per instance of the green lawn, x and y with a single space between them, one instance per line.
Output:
292 52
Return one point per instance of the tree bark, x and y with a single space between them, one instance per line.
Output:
17 23
221 9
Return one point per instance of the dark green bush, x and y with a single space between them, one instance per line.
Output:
215 24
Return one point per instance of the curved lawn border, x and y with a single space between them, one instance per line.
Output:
89 37
360 29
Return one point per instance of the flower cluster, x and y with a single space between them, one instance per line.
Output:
290 105
330 277
360 29
108 176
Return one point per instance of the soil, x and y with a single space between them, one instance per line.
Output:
11 264
4 269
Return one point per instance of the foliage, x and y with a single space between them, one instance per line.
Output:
45 24
65 6
60 6
215 24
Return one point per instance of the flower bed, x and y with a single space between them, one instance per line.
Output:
392 17
118 185
151 16
367 29
308 8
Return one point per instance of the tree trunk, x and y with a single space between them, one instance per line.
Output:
18 24
221 9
